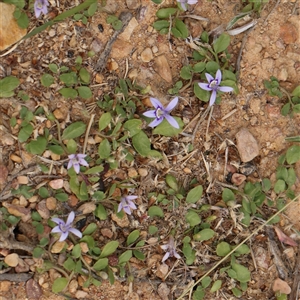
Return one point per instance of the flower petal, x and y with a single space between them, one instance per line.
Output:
120 206
70 218
132 205
155 122
58 221
56 229
219 76
172 104
80 156
127 210
172 121
166 256
76 167
72 156
213 97
191 2
131 197
176 255
83 162
225 89
76 232
150 114
209 77
63 236
70 164
165 247
156 103
204 86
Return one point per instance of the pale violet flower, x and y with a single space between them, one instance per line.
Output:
213 85
161 112
183 3
65 228
76 160
40 6
171 250
126 204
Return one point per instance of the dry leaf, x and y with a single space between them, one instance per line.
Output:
43 210
284 238
87 208
58 246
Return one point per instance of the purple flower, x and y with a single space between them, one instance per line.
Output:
40 6
214 86
171 251
161 113
65 228
76 160
127 203
183 3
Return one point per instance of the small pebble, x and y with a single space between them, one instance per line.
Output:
146 55
16 158
187 170
132 172
143 172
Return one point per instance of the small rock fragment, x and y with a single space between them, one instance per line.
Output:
238 179
5 286
132 172
81 295
288 33
133 4
281 286
87 208
246 145
162 68
58 246
143 172
162 271
163 291
120 49
16 158
33 290
12 259
73 285
10 30
107 232
51 203
43 210
146 55
122 222
56 184
125 36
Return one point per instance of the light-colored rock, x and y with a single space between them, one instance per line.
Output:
3 174
12 259
162 68
125 36
162 271
51 203
133 4
143 172
43 210
5 286
56 184
281 286
246 145
146 55
288 33
10 32
238 179
122 222
163 291
120 49
81 295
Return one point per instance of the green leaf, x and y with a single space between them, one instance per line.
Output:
242 273
296 108
279 186
92 9
141 143
186 72
104 149
109 248
181 27
236 292
68 93
62 197
104 120
23 20
172 182
8 84
38 146
155 211
124 257
134 126
192 218
164 13
285 109
68 78
291 178
221 43
56 149
84 92
166 129
69 264
199 67
132 237
216 286
293 154
204 235
212 67
59 284
157 1
158 25
74 130
205 282
76 251
228 195
89 240
90 229
200 93
25 133
53 68
296 91
38 252
243 249
94 170
100 264
47 80
152 229
223 249
71 146
139 255
194 194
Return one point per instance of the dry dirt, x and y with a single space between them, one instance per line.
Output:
271 48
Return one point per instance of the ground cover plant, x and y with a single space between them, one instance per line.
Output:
108 189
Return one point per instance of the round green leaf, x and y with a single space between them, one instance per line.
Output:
164 13
100 264
47 80
155 211
141 143
204 235
221 43
194 194
109 248
90 229
223 249
84 92
192 218
74 130
293 154
59 284
132 237
104 120
68 93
